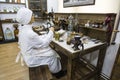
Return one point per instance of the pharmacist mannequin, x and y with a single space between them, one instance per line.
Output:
35 48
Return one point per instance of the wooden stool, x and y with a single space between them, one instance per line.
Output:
40 73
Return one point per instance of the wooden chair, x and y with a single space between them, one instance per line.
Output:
40 73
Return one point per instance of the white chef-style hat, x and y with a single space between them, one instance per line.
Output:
24 15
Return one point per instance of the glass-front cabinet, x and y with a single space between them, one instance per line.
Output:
39 7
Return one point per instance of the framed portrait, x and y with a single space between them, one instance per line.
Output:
73 3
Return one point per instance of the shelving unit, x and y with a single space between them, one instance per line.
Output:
8 12
96 28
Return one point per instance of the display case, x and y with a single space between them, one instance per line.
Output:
39 7
8 10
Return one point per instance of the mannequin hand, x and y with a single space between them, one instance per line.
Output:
51 28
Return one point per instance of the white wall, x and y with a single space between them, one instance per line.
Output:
117 40
52 4
101 6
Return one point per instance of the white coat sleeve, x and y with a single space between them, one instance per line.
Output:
42 40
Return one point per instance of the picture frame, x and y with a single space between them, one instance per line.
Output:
73 3
8 32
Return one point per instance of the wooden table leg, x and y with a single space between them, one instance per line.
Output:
69 69
100 61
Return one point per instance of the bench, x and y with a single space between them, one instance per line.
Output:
40 73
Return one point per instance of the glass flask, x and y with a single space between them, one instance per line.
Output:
8 34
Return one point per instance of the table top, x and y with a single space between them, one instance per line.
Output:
69 48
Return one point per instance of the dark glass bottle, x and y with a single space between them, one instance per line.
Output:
16 31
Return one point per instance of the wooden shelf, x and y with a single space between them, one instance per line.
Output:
99 29
7 41
37 17
8 21
12 3
8 12
83 69
34 1
36 9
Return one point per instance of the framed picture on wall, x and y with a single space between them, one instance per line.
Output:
73 3
8 31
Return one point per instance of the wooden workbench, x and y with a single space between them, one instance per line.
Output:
71 54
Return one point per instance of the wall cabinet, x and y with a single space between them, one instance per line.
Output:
8 12
39 7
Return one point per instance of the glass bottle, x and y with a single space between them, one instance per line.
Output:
70 26
14 8
4 9
57 36
16 31
8 34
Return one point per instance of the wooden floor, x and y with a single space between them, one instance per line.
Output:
9 70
